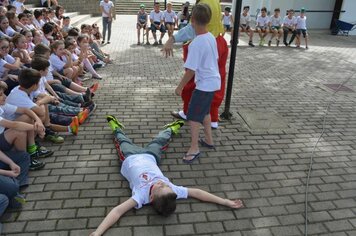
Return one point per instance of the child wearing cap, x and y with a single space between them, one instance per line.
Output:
227 20
141 21
301 28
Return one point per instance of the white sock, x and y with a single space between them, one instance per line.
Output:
214 125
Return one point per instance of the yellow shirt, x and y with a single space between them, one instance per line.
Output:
215 26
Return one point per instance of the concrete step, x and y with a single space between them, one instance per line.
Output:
93 20
79 19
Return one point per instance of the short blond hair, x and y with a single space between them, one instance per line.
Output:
3 86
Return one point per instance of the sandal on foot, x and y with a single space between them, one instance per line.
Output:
204 144
194 155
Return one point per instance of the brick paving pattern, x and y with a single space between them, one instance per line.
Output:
81 182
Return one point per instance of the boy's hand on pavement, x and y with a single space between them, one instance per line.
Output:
234 203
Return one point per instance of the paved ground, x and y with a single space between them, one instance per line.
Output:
267 169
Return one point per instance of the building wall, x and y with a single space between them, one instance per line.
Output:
349 15
315 20
82 6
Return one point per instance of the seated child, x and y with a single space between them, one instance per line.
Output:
245 21
30 46
301 28
37 20
183 16
20 7
170 19
62 84
61 60
141 21
20 50
20 96
157 23
20 133
276 27
146 180
227 21
289 23
262 25
9 66
66 26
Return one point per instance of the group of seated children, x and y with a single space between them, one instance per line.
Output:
163 21
43 60
274 24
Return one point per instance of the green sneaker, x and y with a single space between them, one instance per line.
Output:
114 123
54 138
175 126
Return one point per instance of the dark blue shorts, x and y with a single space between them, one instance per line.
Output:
199 105
302 31
4 144
154 29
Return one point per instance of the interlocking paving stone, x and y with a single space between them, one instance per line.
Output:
81 183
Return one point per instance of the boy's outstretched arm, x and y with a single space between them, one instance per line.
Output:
114 216
208 197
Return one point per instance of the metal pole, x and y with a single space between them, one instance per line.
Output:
235 39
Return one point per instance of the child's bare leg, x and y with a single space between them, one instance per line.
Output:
306 41
273 34
77 88
147 33
260 33
17 138
194 131
30 134
207 130
265 33
250 34
138 34
68 72
59 128
280 33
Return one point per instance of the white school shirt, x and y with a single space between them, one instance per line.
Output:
169 16
245 20
301 22
41 88
106 6
49 76
227 19
7 59
8 32
142 172
19 98
38 24
18 6
57 62
276 21
6 110
30 47
262 21
289 22
203 59
156 16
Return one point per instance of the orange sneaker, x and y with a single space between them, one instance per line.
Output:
94 87
74 126
83 115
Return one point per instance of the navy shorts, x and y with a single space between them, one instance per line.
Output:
302 31
154 29
199 105
227 27
4 144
